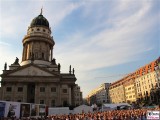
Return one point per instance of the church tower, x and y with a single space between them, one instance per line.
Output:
38 78
38 43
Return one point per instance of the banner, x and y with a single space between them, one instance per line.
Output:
2 109
25 110
18 110
34 110
12 109
42 110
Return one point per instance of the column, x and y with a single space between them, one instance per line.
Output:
27 51
3 90
48 101
58 94
36 97
24 93
70 95
23 53
51 53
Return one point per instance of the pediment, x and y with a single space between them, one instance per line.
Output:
31 71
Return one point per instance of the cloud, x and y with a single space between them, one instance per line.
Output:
8 54
13 19
107 47
122 42
108 33
60 11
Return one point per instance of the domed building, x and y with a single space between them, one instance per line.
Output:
38 78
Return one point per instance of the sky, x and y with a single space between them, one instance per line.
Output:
101 39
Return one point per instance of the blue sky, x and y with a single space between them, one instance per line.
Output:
99 38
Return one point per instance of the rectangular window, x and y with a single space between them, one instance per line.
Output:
53 89
19 101
20 89
43 55
41 102
8 89
42 89
64 90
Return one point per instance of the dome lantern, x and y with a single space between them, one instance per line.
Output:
40 20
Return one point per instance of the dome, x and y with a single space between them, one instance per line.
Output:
40 21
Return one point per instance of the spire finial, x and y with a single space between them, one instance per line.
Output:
41 10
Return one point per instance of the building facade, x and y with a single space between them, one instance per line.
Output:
130 88
147 82
99 95
38 78
78 96
117 92
146 79
141 85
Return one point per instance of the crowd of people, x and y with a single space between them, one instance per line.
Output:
134 114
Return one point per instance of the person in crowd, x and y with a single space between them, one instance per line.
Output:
133 114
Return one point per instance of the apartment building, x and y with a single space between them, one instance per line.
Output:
99 95
130 88
146 79
117 91
102 95
157 69
77 95
138 84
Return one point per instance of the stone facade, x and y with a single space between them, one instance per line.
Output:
146 79
99 95
78 96
38 78
137 85
117 92
130 88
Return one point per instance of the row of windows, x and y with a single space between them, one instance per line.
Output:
42 89
143 78
19 89
130 96
53 102
36 55
38 29
130 88
130 92
138 85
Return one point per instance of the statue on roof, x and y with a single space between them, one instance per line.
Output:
16 61
53 61
73 71
59 67
70 69
5 66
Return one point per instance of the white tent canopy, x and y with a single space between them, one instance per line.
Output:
83 108
113 106
58 110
